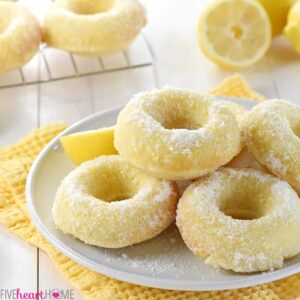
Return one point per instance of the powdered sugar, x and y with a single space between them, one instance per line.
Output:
185 138
290 199
154 221
208 193
276 164
252 261
160 257
279 188
163 194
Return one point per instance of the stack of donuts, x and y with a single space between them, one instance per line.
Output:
240 211
93 28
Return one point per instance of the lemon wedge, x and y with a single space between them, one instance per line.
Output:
87 145
234 33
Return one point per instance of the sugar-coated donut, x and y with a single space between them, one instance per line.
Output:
176 134
240 219
244 159
272 135
107 203
97 27
20 35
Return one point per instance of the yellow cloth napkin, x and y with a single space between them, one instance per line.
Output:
15 161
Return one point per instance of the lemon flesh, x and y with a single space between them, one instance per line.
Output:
234 33
292 29
87 145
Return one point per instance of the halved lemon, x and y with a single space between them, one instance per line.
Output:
87 145
234 33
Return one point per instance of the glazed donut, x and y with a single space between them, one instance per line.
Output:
176 134
20 35
97 27
241 220
272 135
107 203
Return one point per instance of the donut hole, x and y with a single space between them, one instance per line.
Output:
245 205
296 130
242 212
110 185
179 122
89 7
178 112
119 192
176 118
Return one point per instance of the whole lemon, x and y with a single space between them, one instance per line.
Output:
292 29
278 11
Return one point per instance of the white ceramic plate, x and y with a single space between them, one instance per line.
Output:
163 262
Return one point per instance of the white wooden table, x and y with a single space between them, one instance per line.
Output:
171 31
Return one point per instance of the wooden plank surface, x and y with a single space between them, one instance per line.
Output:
18 263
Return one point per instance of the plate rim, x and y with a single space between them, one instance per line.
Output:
130 277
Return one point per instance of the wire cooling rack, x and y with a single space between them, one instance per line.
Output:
51 64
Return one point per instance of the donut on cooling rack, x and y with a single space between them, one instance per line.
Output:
97 27
176 134
20 35
240 219
107 203
272 135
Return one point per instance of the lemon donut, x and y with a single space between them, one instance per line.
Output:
244 159
272 135
20 35
176 134
240 219
107 203
97 27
